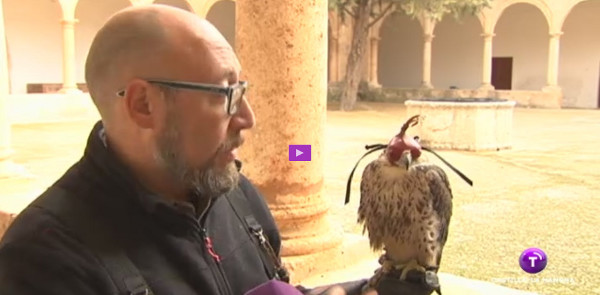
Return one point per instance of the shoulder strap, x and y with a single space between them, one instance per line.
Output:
79 217
271 261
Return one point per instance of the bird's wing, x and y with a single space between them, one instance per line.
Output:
441 201
369 214
367 191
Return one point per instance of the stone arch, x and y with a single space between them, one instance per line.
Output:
541 5
566 12
91 17
222 15
395 14
203 7
482 18
521 33
457 53
400 51
487 21
579 62
33 60
183 4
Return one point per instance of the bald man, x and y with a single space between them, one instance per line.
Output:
157 204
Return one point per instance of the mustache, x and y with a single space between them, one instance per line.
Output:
232 143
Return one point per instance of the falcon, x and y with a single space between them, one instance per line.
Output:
406 207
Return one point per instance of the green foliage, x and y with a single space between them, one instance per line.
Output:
375 10
432 8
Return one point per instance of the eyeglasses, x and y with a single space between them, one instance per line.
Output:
233 93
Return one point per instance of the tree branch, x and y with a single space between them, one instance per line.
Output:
381 15
349 12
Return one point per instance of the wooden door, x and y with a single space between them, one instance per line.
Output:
502 73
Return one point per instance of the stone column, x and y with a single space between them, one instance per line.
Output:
344 41
5 150
486 79
7 167
426 83
555 97
373 81
68 27
553 58
333 36
333 60
282 46
366 61
69 80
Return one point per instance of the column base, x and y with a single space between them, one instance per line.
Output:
486 87
426 86
553 97
306 245
70 90
374 85
552 89
9 169
354 249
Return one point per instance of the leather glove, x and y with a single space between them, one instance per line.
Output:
416 283
347 288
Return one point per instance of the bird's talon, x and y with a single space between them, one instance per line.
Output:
405 268
382 259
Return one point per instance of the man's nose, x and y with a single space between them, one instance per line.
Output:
244 118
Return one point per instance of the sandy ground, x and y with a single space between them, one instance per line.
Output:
539 194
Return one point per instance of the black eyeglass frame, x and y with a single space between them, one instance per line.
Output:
228 91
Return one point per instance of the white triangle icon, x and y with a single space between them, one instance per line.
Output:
298 153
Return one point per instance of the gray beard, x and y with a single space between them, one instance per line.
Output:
207 181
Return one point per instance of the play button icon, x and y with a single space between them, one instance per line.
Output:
299 152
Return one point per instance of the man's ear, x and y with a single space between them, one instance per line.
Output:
139 104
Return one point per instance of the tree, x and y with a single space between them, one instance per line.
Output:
366 13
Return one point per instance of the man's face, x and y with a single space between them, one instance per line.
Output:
217 175
198 140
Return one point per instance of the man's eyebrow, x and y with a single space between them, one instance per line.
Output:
231 75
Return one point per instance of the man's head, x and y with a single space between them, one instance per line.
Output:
181 132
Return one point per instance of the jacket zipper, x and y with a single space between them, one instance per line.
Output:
220 277
209 246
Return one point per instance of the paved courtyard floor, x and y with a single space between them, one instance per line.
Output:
540 193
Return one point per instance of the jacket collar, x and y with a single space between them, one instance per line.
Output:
115 174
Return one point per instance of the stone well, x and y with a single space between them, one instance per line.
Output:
463 124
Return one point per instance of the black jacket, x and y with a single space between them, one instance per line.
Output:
39 254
